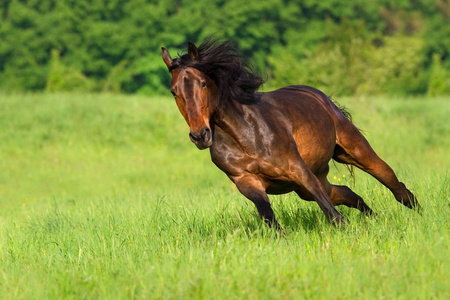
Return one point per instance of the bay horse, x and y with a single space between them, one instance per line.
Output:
272 142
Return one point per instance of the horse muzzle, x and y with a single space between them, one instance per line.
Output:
202 138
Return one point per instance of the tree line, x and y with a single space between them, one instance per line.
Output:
343 47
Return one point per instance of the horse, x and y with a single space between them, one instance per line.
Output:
272 142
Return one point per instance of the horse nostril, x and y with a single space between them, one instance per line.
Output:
194 136
206 133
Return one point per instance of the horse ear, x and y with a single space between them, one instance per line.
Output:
166 57
192 51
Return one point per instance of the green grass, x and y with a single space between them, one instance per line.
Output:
104 197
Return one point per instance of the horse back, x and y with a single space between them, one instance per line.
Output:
335 112
312 117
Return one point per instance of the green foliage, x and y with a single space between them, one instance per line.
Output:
396 67
104 197
357 67
116 44
439 78
62 78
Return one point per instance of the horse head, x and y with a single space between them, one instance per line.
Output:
195 94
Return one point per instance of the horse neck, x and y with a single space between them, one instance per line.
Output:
230 118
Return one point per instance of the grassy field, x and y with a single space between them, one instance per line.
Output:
105 197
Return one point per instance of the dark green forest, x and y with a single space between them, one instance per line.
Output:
342 47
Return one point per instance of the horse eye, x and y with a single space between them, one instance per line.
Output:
173 93
203 84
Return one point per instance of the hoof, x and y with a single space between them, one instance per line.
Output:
339 221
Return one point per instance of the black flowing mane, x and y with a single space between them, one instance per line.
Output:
223 64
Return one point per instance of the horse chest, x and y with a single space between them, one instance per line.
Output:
268 163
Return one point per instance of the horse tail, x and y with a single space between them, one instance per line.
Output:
348 116
342 108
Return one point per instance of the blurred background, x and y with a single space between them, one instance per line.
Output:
355 47
85 108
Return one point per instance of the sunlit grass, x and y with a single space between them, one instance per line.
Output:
104 197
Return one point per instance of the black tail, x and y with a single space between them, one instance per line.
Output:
346 114
343 109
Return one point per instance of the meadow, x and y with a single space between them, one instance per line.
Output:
104 197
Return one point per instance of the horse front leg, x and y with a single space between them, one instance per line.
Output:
304 177
252 188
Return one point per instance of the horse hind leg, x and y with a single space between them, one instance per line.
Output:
339 195
343 195
352 148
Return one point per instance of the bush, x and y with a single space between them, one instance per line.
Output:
115 45
395 66
63 78
439 83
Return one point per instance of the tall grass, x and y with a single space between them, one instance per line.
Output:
104 197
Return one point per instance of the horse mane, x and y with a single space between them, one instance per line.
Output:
234 78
